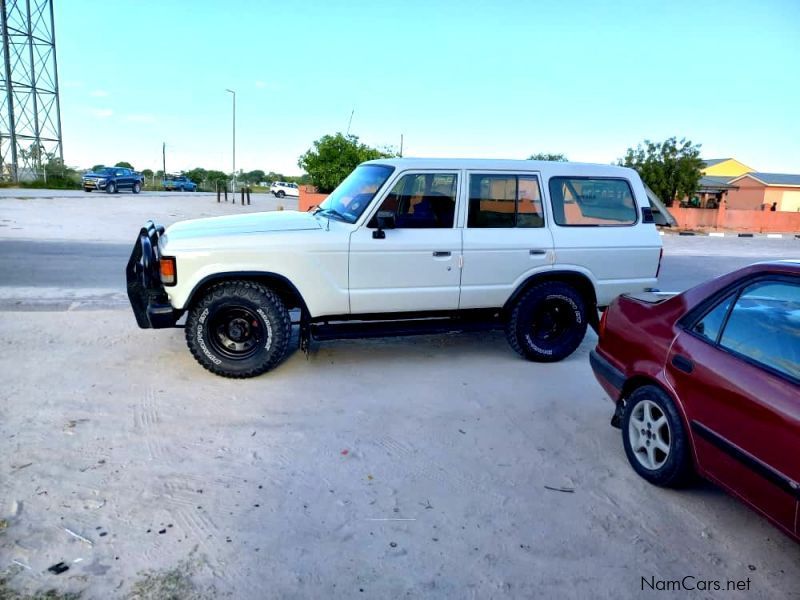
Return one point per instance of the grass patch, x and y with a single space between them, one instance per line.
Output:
7 593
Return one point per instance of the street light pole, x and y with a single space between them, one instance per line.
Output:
233 183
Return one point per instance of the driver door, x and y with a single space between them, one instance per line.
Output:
417 265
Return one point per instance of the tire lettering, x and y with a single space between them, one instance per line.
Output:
202 343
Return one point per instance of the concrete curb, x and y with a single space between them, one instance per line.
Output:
719 234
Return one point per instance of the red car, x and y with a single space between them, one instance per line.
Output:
709 381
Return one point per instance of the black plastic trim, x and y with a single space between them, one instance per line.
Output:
231 275
602 367
751 462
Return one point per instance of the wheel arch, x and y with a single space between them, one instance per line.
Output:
580 281
285 289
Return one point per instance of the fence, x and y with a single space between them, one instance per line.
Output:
751 221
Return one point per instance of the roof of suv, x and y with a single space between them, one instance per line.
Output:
567 168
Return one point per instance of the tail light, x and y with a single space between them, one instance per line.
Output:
660 256
167 269
602 327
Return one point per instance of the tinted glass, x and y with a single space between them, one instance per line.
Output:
422 201
710 325
502 201
764 326
586 201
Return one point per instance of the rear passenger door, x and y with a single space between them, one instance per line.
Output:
506 238
597 226
736 369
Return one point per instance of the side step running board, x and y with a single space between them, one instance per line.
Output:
347 330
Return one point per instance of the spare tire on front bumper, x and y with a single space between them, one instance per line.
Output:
146 293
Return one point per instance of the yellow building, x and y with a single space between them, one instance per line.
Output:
725 167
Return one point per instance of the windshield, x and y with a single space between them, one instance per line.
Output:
355 193
104 171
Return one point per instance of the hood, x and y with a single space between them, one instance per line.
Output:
281 220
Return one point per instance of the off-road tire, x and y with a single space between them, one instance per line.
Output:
137 187
676 470
264 306
537 303
87 189
111 188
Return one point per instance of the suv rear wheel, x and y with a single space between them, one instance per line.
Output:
281 194
548 322
238 329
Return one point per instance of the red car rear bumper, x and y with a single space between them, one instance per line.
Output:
607 375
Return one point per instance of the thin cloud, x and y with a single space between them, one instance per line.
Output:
142 118
98 94
101 113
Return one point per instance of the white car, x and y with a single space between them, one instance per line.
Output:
281 189
405 246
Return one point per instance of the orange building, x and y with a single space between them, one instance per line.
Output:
744 188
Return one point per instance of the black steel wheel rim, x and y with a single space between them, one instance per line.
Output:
237 332
553 319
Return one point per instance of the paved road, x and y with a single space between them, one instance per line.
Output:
38 275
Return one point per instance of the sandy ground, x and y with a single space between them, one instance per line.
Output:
93 217
379 469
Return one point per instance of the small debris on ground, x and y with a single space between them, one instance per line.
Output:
58 568
560 489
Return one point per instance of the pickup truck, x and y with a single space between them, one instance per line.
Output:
405 246
179 183
113 179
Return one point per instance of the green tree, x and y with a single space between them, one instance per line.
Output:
197 175
548 156
147 173
213 177
333 157
124 165
671 168
252 177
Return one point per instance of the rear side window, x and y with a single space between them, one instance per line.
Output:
710 325
586 201
764 326
502 201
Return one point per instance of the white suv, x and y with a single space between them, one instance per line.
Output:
281 189
405 246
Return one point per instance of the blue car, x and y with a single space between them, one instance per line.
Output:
180 183
113 179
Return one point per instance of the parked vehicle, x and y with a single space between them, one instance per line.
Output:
113 179
179 183
405 246
709 381
281 189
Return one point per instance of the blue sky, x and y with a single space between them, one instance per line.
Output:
457 78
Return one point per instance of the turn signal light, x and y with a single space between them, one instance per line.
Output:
167 267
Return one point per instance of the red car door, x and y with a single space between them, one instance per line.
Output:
736 369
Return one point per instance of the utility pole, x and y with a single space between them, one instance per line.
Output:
164 160
350 122
401 145
233 182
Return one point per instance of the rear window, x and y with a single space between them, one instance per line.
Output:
586 201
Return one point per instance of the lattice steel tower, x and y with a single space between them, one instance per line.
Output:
30 113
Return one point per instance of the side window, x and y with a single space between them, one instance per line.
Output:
422 201
710 325
764 326
581 201
502 201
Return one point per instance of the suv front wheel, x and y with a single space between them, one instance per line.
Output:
238 329
548 322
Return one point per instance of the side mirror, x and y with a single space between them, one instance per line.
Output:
385 220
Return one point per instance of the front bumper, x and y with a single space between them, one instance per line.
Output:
94 184
146 293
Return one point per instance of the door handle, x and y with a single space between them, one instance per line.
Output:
538 252
441 254
682 363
